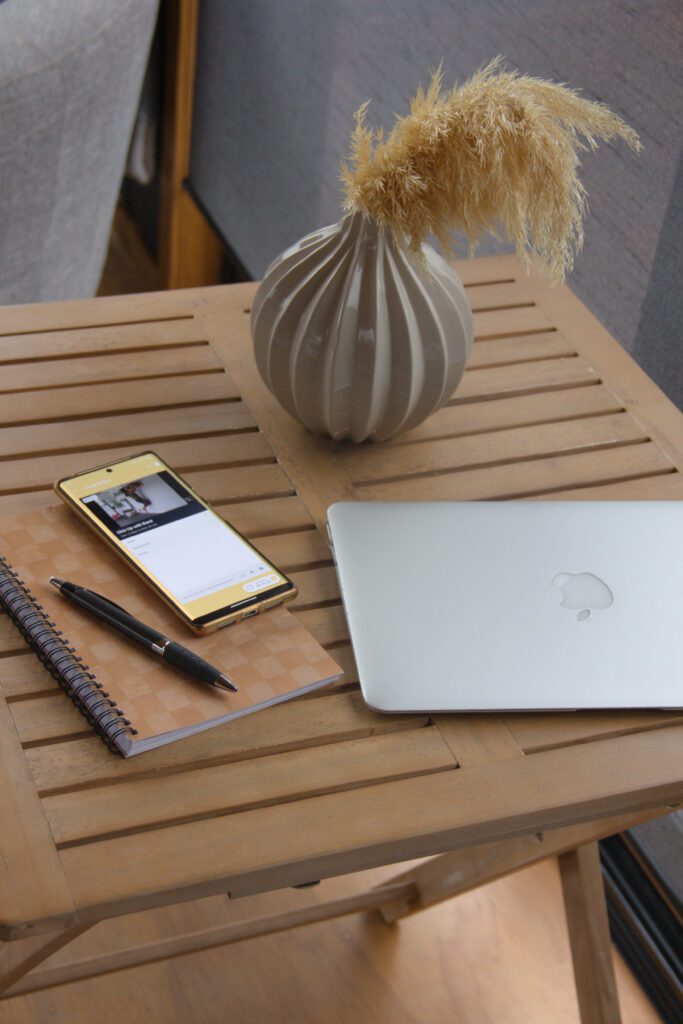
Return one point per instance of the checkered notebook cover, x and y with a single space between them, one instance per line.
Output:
134 701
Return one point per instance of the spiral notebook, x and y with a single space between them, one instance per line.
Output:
132 700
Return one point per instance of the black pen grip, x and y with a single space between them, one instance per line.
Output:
188 662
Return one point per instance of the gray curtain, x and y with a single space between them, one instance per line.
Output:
70 78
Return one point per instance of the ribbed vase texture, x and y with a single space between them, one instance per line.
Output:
354 337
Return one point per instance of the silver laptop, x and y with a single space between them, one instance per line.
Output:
487 606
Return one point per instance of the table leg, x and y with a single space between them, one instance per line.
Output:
18 958
195 942
584 901
451 874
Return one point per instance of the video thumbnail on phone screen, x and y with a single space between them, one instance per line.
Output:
142 505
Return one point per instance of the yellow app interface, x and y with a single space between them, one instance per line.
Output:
190 552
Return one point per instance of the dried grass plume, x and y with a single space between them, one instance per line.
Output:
497 154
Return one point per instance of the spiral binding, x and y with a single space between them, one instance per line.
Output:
61 660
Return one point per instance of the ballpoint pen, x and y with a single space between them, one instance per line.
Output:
120 620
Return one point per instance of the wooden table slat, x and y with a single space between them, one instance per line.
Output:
327 624
668 487
133 806
480 273
345 658
523 379
13 504
265 516
478 739
99 399
316 586
21 674
47 718
539 476
504 413
87 762
544 732
523 349
505 323
116 310
295 552
233 483
126 366
498 296
98 340
503 446
139 429
222 450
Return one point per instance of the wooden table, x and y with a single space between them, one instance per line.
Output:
550 407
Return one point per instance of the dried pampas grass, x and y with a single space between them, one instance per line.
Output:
499 153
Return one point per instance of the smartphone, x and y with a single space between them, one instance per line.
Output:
200 565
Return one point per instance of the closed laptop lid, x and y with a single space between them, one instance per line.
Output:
483 606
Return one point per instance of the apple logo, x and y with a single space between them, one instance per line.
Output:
582 590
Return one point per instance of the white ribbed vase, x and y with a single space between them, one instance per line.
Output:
354 337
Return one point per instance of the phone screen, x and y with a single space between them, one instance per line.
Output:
192 554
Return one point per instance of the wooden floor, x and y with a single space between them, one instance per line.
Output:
499 954
129 267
